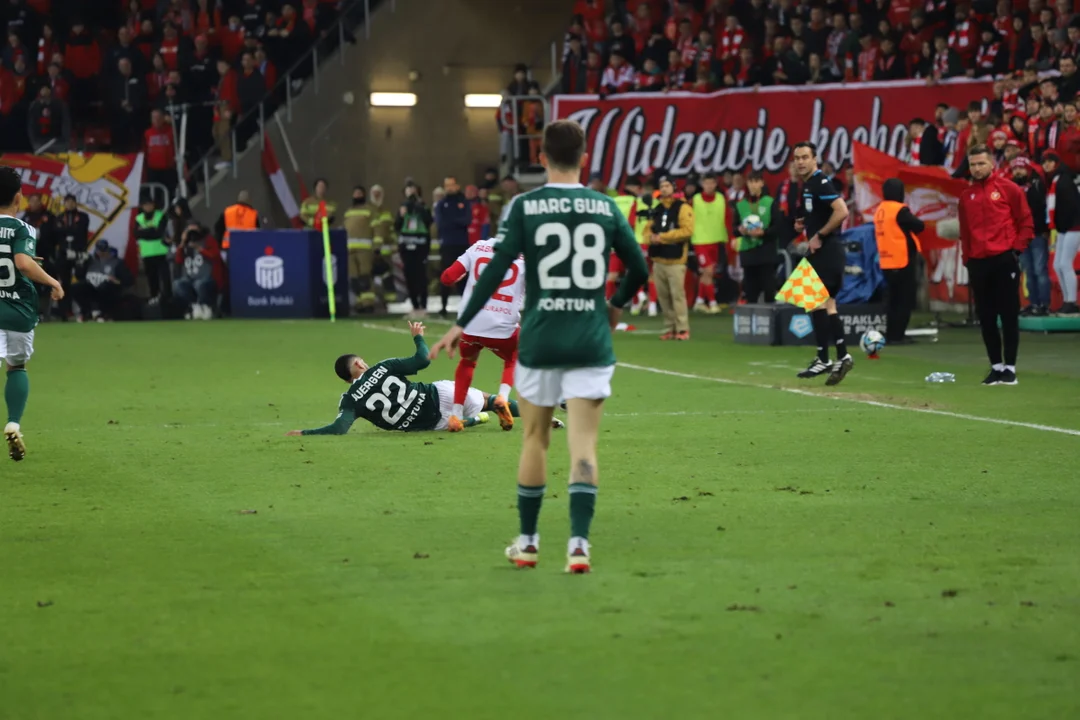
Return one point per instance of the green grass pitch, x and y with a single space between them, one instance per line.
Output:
165 552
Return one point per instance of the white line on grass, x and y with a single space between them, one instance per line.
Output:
807 393
871 403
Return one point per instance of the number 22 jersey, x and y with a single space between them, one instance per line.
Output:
501 314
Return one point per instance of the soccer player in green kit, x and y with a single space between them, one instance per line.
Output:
566 233
383 395
19 270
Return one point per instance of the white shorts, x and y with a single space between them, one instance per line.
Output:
474 402
16 347
546 388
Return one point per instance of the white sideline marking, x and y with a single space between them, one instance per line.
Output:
871 403
807 393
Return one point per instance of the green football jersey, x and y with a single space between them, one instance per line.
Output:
385 397
566 234
18 296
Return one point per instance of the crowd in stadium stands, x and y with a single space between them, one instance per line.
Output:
94 74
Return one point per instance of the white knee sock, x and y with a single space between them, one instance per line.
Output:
1068 244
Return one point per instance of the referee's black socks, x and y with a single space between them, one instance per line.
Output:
820 321
837 326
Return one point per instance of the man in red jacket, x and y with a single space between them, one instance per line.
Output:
995 226
160 148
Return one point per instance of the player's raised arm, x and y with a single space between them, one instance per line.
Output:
416 363
340 426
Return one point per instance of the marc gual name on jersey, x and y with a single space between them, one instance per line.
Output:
551 206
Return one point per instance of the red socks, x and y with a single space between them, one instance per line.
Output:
609 289
707 292
652 291
463 380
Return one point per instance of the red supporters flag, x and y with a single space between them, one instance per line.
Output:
932 196
281 186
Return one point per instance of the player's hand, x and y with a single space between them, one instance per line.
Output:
814 244
416 328
57 292
448 343
758 232
613 315
294 433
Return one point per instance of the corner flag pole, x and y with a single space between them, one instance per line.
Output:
329 264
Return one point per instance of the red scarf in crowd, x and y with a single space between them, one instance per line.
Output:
916 150
1051 202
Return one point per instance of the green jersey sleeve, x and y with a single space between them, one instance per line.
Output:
509 243
410 365
340 426
624 243
25 241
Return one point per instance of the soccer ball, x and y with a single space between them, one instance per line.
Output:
753 222
872 341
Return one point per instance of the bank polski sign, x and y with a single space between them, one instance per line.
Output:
269 272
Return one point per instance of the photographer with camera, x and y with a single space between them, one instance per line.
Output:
102 281
413 226
672 228
202 272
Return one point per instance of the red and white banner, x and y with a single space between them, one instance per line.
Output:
933 196
105 186
746 129
276 175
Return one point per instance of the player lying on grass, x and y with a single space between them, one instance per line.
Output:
495 327
383 395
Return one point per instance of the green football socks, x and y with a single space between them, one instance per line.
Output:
529 500
582 507
16 392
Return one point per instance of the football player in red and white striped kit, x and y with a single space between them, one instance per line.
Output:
494 328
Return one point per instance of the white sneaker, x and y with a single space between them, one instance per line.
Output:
13 435
557 424
522 554
577 557
653 310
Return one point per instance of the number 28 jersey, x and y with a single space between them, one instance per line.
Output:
566 234
501 314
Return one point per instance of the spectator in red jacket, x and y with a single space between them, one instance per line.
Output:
1068 141
83 61
642 28
481 216
159 144
594 73
232 39
147 39
995 226
227 90
964 36
651 78
207 19
169 49
731 41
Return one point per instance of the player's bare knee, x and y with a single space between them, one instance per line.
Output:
612 277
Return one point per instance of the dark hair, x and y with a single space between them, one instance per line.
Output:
917 121
755 175
975 106
805 144
564 144
10 185
361 188
709 176
320 180
343 367
978 150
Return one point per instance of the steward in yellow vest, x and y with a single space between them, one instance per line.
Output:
150 225
895 228
709 240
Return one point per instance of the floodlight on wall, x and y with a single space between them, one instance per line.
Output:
393 99
483 100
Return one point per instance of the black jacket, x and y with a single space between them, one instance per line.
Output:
1066 201
251 89
931 151
72 231
1035 189
454 215
893 189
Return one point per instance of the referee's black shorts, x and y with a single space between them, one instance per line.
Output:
829 262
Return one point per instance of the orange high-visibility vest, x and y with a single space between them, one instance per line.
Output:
239 217
891 241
